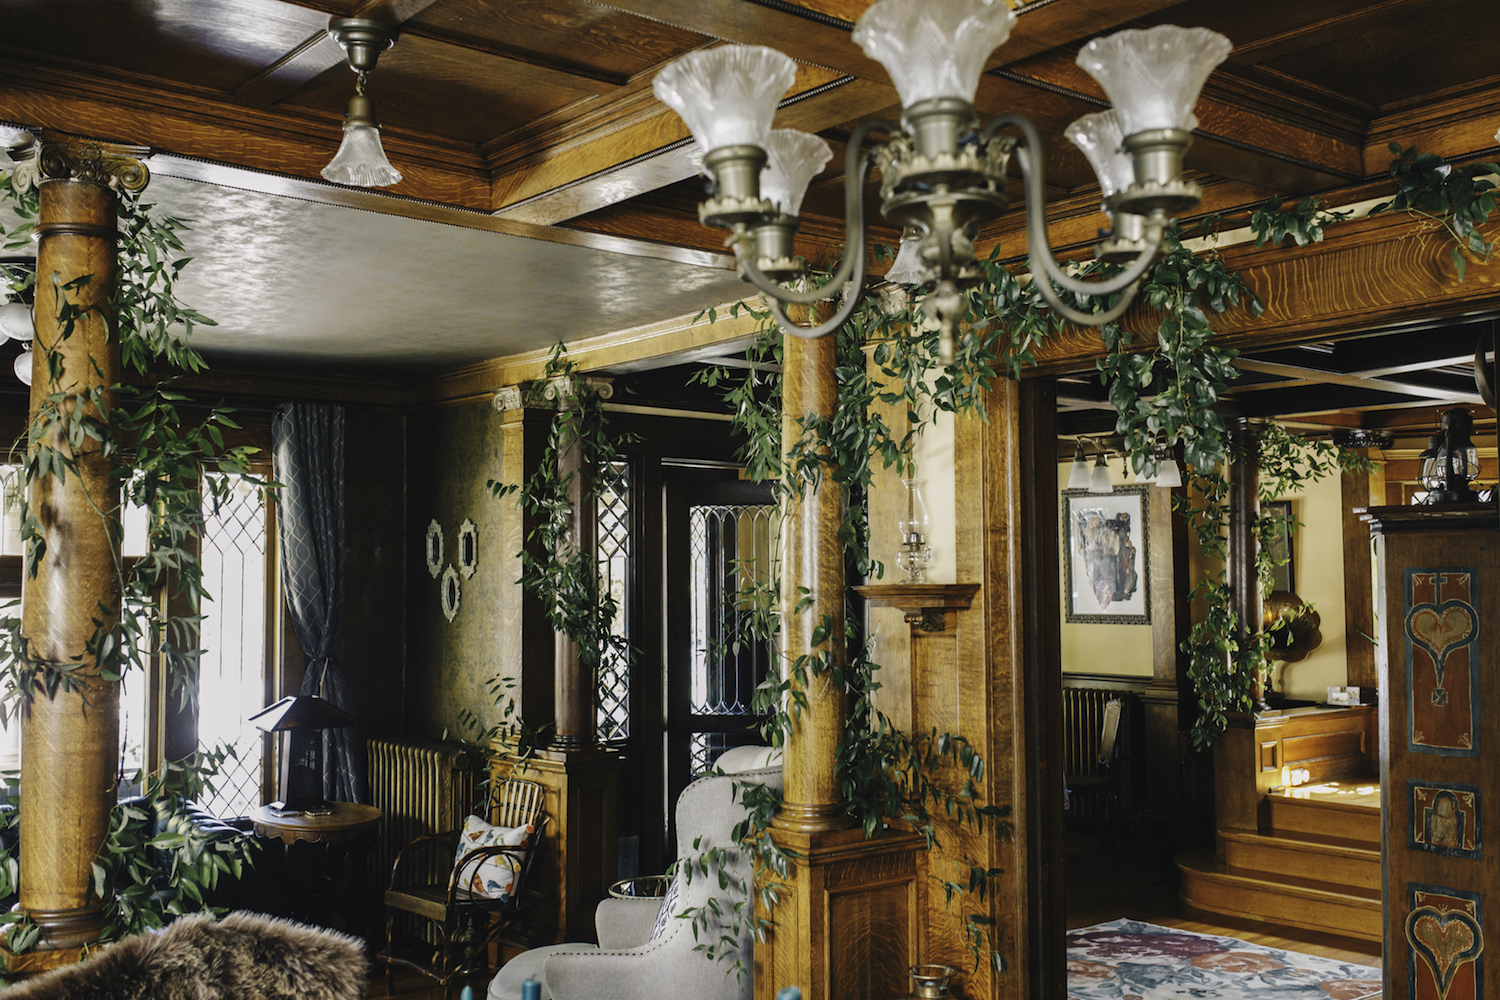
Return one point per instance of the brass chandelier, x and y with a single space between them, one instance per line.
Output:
942 175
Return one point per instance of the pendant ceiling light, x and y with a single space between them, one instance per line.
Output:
942 174
1099 481
361 160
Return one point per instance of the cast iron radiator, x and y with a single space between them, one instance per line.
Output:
419 788
1083 730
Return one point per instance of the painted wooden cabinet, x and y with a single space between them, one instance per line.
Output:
1438 596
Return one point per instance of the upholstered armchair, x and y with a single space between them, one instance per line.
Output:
629 964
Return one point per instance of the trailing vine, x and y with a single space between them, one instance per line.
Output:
162 456
1457 199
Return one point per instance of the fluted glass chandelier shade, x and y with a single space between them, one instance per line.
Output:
361 160
1100 137
726 96
1102 140
934 48
908 267
793 159
1153 75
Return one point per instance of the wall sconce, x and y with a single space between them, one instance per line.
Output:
1451 461
1099 481
361 159
303 718
1078 472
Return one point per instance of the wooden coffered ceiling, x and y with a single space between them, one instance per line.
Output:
535 118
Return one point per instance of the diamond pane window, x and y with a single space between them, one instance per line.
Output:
233 633
613 511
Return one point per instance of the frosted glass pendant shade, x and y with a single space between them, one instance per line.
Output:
16 322
22 366
361 161
907 268
726 96
1153 75
934 48
1078 472
793 159
1168 475
1099 481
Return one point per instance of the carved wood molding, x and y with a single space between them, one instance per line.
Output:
1365 274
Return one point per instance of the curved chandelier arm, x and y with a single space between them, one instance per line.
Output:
1075 316
851 301
856 170
1043 265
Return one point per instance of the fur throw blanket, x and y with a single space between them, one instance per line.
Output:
245 956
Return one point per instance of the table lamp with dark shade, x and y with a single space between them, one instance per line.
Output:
303 718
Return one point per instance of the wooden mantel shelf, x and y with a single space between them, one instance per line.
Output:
925 605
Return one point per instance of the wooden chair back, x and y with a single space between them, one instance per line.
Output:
516 802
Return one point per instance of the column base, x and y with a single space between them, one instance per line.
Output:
797 817
849 920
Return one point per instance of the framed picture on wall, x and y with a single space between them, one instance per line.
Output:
1107 565
1284 576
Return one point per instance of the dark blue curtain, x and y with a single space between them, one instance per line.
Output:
308 440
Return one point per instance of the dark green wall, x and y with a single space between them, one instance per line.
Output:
451 453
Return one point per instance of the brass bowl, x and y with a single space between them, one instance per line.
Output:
931 981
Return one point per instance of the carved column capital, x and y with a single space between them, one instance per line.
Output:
507 397
114 165
566 387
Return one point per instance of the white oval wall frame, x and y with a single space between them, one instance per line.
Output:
468 548
434 549
452 593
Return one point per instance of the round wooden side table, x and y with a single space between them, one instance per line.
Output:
330 838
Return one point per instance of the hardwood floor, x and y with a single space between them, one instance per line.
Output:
410 985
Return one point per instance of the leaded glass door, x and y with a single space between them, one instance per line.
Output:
721 540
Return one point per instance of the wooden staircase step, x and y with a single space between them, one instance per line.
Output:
1279 898
1326 817
1335 860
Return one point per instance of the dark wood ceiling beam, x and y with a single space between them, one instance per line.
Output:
612 166
176 123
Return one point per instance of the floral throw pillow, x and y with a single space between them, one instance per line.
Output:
495 875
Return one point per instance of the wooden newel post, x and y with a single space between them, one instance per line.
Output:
812 593
70 743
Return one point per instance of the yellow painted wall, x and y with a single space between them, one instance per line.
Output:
1318 554
1102 649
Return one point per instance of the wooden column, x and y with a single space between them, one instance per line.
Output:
573 676
70 742
582 778
812 597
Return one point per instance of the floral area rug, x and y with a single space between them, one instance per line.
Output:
1131 960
